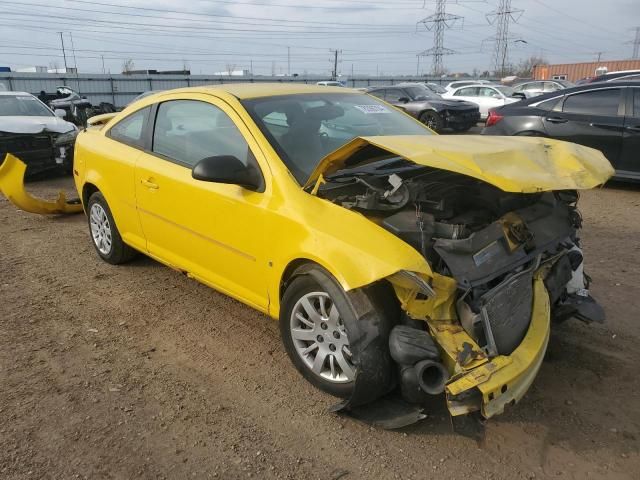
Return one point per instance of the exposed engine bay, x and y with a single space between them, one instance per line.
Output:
488 240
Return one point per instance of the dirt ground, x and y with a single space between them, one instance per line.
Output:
138 372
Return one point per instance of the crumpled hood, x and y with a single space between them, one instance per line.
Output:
513 164
33 125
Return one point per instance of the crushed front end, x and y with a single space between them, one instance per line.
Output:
505 264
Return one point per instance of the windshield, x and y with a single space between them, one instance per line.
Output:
436 88
303 129
22 106
418 92
506 91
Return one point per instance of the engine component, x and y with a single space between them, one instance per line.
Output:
409 345
421 374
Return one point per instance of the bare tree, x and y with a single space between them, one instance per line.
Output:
128 66
525 67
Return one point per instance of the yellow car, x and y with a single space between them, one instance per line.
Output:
396 260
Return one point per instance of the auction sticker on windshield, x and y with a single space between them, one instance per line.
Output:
372 109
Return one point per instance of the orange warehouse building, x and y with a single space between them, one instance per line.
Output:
576 71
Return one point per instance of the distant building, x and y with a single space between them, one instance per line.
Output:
233 73
577 71
62 70
157 72
35 69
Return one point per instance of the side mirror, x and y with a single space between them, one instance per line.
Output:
520 95
227 169
60 113
403 100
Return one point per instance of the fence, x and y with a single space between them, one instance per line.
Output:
121 89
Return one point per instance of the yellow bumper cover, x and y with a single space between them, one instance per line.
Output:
12 173
505 379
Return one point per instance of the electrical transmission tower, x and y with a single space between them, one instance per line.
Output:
438 23
636 44
501 18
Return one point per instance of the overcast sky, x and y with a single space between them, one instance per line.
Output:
374 36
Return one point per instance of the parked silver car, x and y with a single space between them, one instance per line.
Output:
534 88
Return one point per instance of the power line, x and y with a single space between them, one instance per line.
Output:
439 22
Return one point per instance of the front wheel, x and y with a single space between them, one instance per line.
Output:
314 332
104 234
432 120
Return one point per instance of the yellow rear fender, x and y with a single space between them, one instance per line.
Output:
12 173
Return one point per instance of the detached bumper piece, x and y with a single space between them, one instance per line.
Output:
12 172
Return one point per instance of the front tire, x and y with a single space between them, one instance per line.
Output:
432 120
358 324
104 234
314 332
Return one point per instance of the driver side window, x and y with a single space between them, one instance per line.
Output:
186 131
394 95
467 92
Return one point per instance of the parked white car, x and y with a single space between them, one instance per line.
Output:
485 96
451 86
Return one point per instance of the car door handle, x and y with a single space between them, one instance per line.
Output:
607 126
633 129
556 120
149 184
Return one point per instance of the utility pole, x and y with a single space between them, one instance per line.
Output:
102 57
334 73
418 66
501 17
288 61
64 55
438 23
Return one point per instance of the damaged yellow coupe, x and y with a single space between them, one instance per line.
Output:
398 262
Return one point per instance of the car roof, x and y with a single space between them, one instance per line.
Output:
255 90
578 88
15 93
488 85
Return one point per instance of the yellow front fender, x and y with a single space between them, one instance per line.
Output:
12 173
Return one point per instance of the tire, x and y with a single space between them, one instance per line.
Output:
345 330
104 234
432 120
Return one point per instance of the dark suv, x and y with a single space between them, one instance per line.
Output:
605 116
434 111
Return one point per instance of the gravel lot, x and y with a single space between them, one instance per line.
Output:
138 372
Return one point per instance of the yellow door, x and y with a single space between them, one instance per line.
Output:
213 231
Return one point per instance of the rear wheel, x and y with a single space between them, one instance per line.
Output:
432 120
104 234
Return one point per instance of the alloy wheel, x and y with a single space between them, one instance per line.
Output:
100 228
320 338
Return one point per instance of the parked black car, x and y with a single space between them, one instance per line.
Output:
605 116
622 76
428 107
